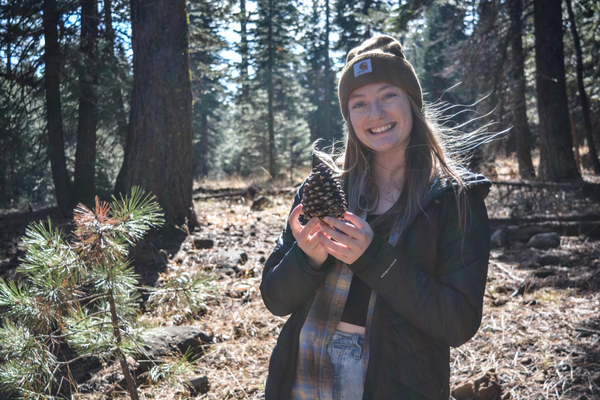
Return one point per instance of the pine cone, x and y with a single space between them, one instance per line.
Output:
323 195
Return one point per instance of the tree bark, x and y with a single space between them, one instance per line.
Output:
56 147
117 96
583 99
521 127
557 162
328 136
159 149
84 185
244 55
271 94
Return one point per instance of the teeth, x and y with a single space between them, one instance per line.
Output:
381 128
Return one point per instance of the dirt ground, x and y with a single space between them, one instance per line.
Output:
541 319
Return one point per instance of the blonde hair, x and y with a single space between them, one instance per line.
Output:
436 150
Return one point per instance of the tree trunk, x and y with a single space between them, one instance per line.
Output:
557 163
204 136
159 149
585 107
84 186
576 143
521 127
117 96
328 83
271 94
244 55
56 147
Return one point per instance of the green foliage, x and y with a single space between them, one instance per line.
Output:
83 294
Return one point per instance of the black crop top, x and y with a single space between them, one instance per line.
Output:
357 302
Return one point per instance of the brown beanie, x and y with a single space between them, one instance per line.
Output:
379 59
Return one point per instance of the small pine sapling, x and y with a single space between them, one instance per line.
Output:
84 294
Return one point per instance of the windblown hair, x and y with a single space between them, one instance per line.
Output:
436 150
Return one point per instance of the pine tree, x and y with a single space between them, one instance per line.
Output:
276 94
53 61
557 161
324 120
360 20
83 294
207 89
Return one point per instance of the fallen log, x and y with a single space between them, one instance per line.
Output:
586 188
524 231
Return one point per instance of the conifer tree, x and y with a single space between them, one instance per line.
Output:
207 89
324 120
83 293
275 88
360 20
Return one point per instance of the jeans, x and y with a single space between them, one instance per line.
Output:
345 350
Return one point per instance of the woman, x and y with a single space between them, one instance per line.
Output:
377 299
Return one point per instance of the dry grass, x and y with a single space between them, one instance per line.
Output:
543 344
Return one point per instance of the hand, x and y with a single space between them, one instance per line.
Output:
307 239
349 244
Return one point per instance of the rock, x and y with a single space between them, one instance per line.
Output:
203 243
260 203
463 392
199 385
548 259
251 192
544 241
528 258
163 341
545 272
500 301
229 259
486 387
526 361
498 238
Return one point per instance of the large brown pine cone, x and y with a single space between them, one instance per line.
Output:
323 195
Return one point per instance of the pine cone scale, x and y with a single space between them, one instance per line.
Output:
323 195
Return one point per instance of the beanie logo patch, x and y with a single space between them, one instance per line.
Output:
363 67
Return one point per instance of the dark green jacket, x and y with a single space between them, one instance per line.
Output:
430 299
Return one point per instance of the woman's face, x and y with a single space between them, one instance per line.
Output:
381 117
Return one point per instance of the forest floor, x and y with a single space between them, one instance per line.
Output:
540 331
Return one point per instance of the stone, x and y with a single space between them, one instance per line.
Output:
528 258
548 259
498 238
203 243
260 203
164 341
199 386
463 391
544 241
229 259
486 387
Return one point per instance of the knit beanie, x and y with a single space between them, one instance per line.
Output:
379 59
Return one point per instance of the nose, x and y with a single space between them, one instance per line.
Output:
377 111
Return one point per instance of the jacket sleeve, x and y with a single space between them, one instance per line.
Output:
447 306
288 281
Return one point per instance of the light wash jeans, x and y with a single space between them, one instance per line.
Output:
345 350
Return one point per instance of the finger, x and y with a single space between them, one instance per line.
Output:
355 220
343 226
338 236
293 218
336 249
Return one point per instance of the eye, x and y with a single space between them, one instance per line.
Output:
358 104
389 95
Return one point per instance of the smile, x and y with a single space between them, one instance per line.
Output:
382 128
